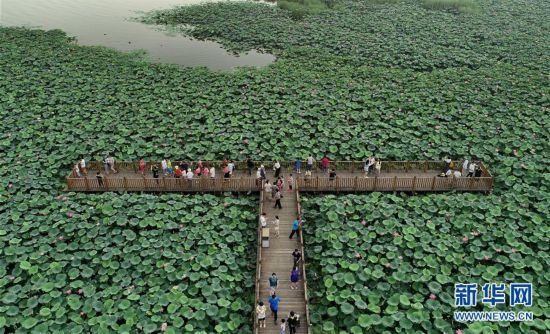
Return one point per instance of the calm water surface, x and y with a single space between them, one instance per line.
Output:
107 23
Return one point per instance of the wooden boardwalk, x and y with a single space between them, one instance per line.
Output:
412 176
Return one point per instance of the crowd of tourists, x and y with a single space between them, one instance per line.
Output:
468 169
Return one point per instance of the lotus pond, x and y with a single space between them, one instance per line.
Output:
392 79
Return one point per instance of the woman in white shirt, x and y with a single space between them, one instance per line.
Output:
212 172
260 311
189 174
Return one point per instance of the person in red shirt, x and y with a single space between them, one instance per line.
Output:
142 166
177 172
325 162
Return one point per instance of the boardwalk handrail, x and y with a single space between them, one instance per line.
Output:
355 182
258 264
304 277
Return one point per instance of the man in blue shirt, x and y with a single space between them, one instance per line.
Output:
274 305
295 227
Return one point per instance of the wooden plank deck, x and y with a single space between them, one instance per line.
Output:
413 176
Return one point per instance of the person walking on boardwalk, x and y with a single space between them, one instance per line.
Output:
111 162
226 174
277 168
276 226
260 312
294 278
142 167
262 172
106 165
259 174
198 171
283 327
325 162
205 171
274 189
249 166
273 284
310 161
296 257
292 322
263 220
169 167
231 166
212 172
280 185
99 177
298 165
295 228
278 200
471 169
267 189
274 301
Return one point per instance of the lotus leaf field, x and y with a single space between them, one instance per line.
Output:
388 78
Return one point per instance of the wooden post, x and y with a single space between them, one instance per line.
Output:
414 183
471 183
355 183
125 183
87 183
164 183
352 167
317 183
394 183
375 183
433 183
407 165
105 183
425 166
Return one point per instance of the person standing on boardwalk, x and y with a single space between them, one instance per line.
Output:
231 166
295 228
226 173
260 312
325 162
283 327
277 168
263 220
274 305
280 185
296 257
111 162
99 177
332 175
142 167
278 200
249 166
378 167
212 172
177 172
189 174
471 169
262 172
267 189
292 322
164 166
169 167
82 166
205 171
106 165
290 182
465 166
274 189
297 165
155 171
309 165
76 170
273 284
294 278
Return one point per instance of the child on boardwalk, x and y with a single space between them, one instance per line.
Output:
260 311
290 182
276 226
283 327
82 166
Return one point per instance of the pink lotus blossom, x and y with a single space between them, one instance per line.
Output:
60 237
465 239
82 314
514 250
245 141
357 255
10 185
458 331
486 258
80 291
400 257
515 152
498 250
70 214
182 226
225 205
164 326
364 222
433 296
68 292
395 234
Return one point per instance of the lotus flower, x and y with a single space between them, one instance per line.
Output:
400 257
433 296
388 265
162 310
498 250
465 239
11 277
60 237
82 314
515 152
70 214
164 326
10 185
357 255
395 234
245 141
364 222
514 250
486 258
80 291
458 331
225 205
68 292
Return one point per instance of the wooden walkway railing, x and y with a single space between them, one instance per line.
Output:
302 250
414 176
